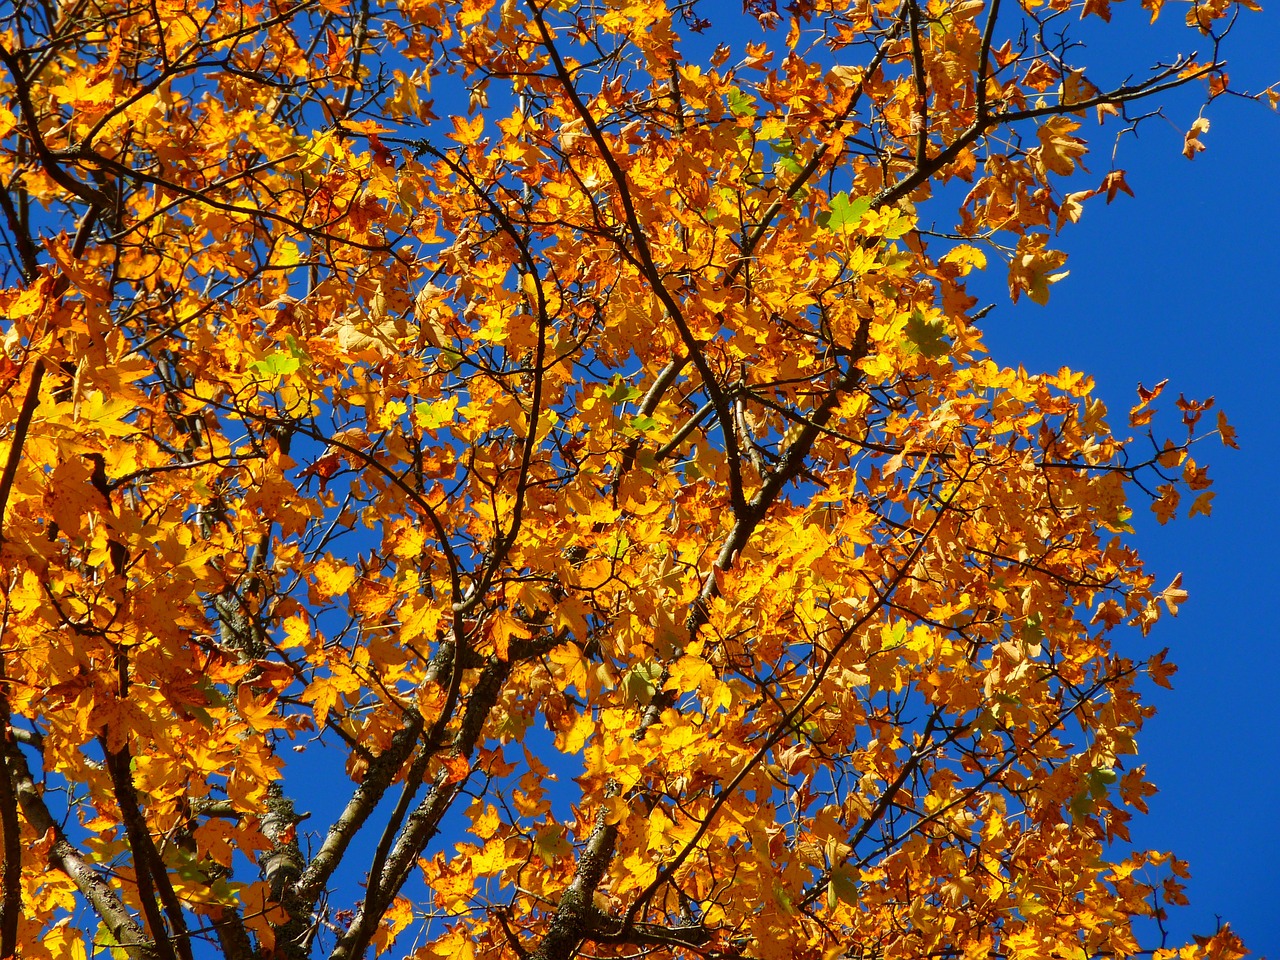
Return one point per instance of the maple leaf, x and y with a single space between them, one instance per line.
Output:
457 768
1223 945
82 91
1160 671
1142 414
467 132
1192 143
1072 207
1059 151
656 450
1076 88
381 154
1114 183
927 337
1033 268
1226 432
844 214
1173 595
1202 505
503 629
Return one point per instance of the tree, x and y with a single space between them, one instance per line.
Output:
603 492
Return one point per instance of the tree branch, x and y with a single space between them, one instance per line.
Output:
104 901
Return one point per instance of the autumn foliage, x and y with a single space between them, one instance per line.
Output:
524 480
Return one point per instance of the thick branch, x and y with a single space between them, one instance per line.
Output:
575 914
11 883
104 901
21 425
148 868
920 121
378 777
424 822
282 865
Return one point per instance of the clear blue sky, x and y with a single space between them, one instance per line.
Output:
1179 282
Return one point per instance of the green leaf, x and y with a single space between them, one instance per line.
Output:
741 104
552 844
786 150
104 938
928 338
898 229
1032 633
620 391
1081 805
295 350
188 867
790 164
1098 780
844 214
637 687
278 364
843 886
640 683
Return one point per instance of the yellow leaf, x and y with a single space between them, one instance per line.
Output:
27 301
966 257
572 741
332 578
262 914
98 412
1072 207
1159 670
259 713
322 695
82 90
399 915
1191 142
1059 151
689 673
503 628
465 131
1033 268
1173 595
286 254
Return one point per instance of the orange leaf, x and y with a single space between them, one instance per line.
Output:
1203 504
458 768
1227 432
465 131
1114 183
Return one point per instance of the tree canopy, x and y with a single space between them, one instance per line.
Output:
524 480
